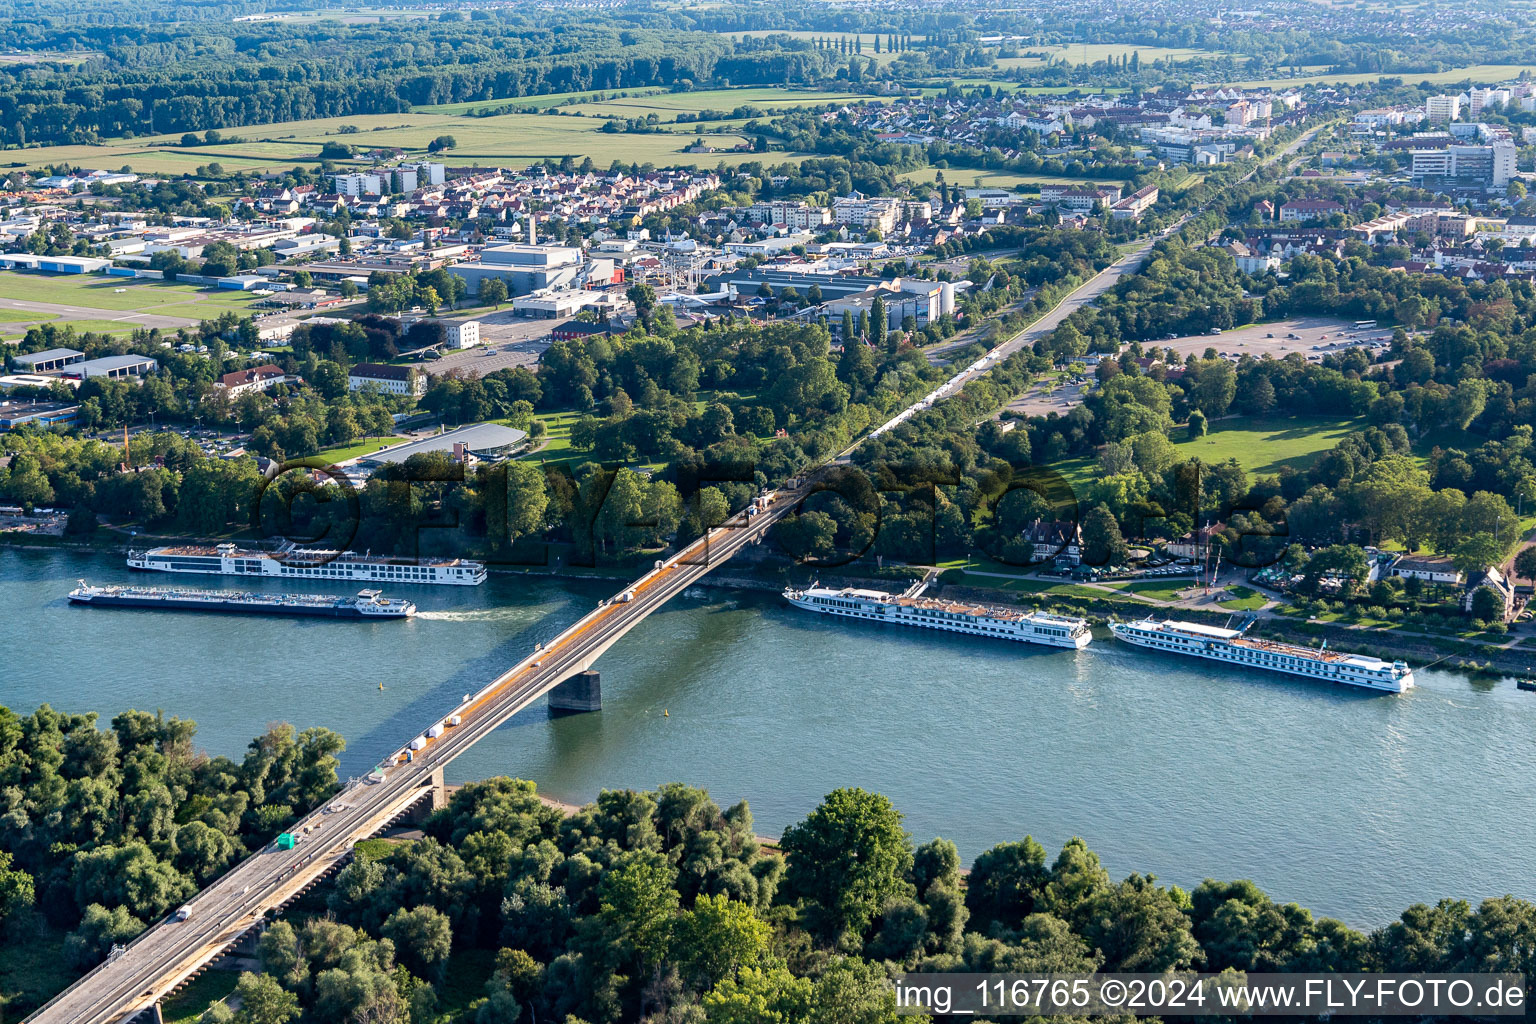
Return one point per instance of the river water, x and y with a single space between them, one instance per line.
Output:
1352 804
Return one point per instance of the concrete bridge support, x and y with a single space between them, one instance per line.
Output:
434 796
581 692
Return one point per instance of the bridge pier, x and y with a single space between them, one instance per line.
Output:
434 798
581 692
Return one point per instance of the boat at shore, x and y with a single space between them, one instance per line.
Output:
1195 639
306 563
367 604
912 609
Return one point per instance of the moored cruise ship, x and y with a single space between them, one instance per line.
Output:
1232 646
912 609
306 563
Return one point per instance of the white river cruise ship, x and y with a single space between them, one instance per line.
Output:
1230 645
912 609
306 563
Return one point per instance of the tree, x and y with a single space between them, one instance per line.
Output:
1525 563
1005 883
527 500
1103 543
1487 605
423 938
17 891
636 902
100 929
878 321
441 143
1197 424
493 290
264 1001
847 859
717 938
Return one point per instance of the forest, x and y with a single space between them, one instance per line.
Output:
658 906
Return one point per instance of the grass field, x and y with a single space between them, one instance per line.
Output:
991 179
207 988
103 293
1259 446
343 452
556 449
553 99
507 140
98 326
1263 446
1476 73
11 316
1158 589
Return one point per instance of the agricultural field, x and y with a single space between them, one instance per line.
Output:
1092 53
509 140
1489 73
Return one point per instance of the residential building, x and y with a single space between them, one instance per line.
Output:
394 380
791 215
1299 210
871 213
1490 579
361 183
1430 568
462 333
1135 204
258 378
1442 109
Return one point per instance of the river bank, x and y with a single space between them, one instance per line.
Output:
1168 765
768 573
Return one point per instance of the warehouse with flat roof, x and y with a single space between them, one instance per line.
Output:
49 361
129 365
489 441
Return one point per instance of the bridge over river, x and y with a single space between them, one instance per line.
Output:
166 955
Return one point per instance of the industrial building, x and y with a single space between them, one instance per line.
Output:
49 361
54 264
44 414
924 302
557 305
536 268
113 367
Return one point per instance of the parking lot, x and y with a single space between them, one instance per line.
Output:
1311 337
505 341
